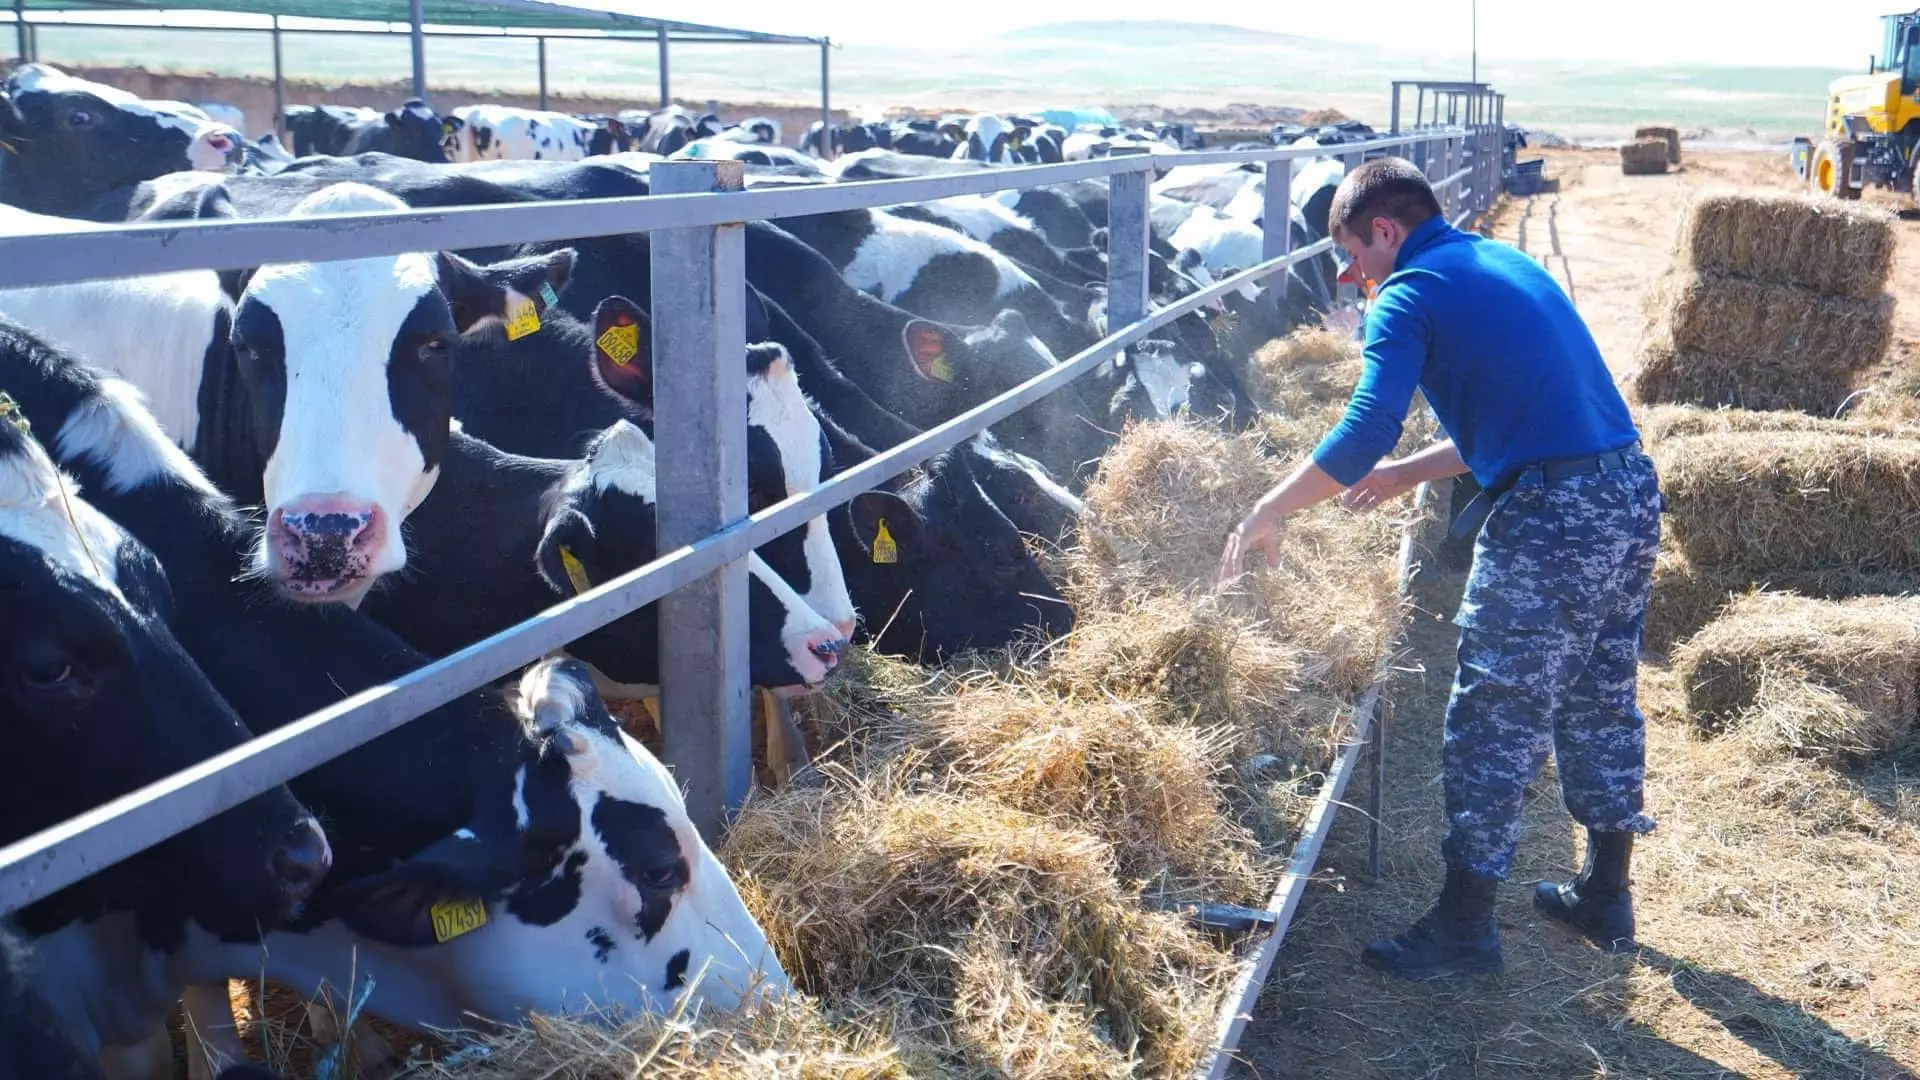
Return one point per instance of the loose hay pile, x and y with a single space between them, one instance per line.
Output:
1670 137
1644 157
1818 677
1766 305
976 880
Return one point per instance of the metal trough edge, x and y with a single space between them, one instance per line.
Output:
1237 1012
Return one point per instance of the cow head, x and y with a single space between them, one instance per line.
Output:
787 451
600 525
97 698
953 570
417 132
1024 490
979 362
347 367
597 889
65 141
452 126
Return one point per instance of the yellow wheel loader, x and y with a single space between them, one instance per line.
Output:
1873 121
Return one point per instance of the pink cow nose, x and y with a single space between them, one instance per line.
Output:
827 648
325 543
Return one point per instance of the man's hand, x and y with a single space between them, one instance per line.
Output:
1384 484
1255 529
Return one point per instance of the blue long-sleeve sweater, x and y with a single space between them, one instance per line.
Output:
1490 338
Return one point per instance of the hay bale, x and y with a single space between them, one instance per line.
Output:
1864 652
1684 376
1839 248
1738 319
1678 421
1794 503
1644 157
877 890
1795 716
1666 135
1685 598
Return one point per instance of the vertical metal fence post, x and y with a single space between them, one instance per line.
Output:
1129 231
1276 219
666 86
419 50
279 84
700 432
541 45
826 102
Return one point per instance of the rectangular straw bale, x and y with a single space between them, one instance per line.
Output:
1643 157
1692 377
1667 135
1688 596
1741 318
1823 244
1678 421
1865 650
1772 503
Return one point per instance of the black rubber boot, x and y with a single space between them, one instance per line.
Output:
1597 903
1457 935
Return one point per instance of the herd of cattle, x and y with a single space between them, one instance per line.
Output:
230 499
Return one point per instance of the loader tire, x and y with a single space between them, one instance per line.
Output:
1827 173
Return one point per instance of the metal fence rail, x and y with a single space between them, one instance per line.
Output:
703 533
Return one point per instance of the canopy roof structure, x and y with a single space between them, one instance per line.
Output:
537 19
526 16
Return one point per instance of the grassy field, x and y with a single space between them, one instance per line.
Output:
1170 64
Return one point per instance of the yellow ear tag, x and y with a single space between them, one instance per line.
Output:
884 550
940 369
620 343
522 319
576 573
452 918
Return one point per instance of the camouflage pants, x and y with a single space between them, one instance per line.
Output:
1549 658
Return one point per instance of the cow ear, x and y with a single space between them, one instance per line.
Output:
623 349
515 293
928 346
429 899
887 527
1097 240
566 550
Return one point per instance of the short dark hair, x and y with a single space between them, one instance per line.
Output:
1387 187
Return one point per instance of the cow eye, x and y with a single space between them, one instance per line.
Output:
79 118
435 351
52 675
665 878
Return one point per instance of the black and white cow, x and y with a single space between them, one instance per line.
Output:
924 371
558 527
510 133
335 408
279 662
411 131
65 142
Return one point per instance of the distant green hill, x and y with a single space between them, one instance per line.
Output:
1171 64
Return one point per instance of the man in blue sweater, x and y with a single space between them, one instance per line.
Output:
1568 526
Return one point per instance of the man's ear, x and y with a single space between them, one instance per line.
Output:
887 529
928 346
566 550
396 907
623 349
516 293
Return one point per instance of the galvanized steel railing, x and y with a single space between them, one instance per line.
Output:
703 529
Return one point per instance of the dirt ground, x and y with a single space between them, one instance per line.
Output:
1778 903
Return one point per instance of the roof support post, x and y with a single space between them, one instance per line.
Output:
666 84
541 43
279 84
826 103
700 437
20 29
416 17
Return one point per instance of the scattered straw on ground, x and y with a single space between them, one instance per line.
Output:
1756 662
1823 244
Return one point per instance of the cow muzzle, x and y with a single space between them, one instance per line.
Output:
322 549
